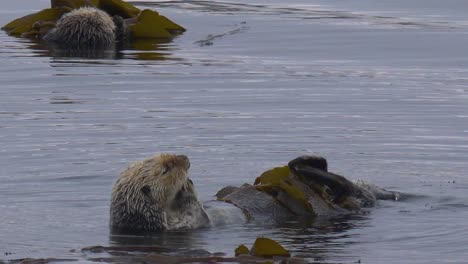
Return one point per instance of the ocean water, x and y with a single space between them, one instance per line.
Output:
380 88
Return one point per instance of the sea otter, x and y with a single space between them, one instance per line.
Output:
93 25
156 194
86 28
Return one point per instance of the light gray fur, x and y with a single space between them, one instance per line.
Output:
134 210
141 211
84 28
145 213
185 211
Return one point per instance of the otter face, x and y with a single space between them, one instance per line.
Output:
163 176
156 194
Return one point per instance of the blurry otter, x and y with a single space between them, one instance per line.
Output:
87 28
155 194
93 28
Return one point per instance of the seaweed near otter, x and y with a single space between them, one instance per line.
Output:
93 24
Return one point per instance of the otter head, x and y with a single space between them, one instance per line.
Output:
84 28
156 194
333 189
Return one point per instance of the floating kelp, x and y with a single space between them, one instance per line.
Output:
144 26
26 24
266 247
303 189
73 4
118 7
241 250
113 7
140 23
279 179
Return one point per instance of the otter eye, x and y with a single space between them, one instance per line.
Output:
146 190
166 169
329 192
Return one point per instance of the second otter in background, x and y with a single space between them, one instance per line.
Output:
87 28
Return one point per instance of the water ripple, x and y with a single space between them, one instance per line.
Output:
306 12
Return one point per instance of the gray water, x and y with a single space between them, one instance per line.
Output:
377 87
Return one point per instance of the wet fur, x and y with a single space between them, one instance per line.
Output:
155 194
86 27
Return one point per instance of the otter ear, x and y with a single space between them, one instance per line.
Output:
146 190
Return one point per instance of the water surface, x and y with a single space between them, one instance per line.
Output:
377 87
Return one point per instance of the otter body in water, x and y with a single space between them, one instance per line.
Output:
156 194
85 28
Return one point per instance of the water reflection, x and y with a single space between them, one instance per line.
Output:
150 49
141 49
175 240
318 240
326 240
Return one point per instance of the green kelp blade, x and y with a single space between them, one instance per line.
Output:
241 250
266 247
273 176
149 25
279 179
170 25
119 7
72 4
25 24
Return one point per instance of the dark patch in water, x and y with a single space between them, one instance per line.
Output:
209 40
64 100
40 260
124 249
